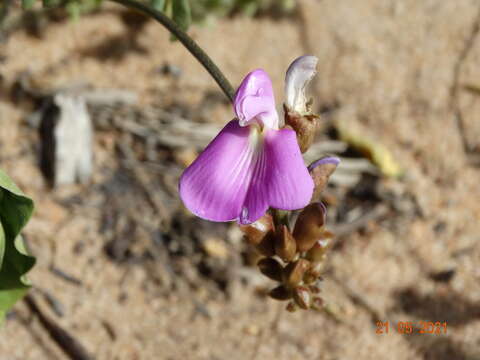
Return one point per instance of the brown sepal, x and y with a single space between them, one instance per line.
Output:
285 244
266 247
304 126
258 230
261 235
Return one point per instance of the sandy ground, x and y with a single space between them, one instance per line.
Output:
401 71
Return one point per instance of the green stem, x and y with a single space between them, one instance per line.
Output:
187 41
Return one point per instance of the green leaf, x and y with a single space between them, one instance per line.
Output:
158 4
74 10
250 9
15 207
51 3
27 4
288 5
15 211
181 13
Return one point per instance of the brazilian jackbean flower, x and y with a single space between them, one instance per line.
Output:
251 165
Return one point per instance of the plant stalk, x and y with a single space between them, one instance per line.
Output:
187 41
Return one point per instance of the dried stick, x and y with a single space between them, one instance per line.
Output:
69 345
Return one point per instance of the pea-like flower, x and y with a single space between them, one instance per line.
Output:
250 165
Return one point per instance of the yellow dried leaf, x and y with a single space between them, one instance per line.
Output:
377 153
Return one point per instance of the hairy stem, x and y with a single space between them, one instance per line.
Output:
187 41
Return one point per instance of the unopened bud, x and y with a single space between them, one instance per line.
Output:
285 245
309 226
271 268
314 272
320 171
291 307
318 251
310 277
280 293
293 272
317 303
314 289
267 245
302 297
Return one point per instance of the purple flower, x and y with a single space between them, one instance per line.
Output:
251 164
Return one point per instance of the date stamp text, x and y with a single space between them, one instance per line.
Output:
410 327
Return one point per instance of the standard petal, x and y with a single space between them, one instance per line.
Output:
254 100
215 185
287 182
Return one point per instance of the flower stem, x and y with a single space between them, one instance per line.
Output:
187 41
280 217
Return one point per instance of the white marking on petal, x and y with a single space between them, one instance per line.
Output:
244 214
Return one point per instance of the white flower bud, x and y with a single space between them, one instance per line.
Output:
299 74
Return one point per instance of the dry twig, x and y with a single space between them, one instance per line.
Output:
69 345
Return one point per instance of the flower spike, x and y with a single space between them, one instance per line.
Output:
253 165
248 168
